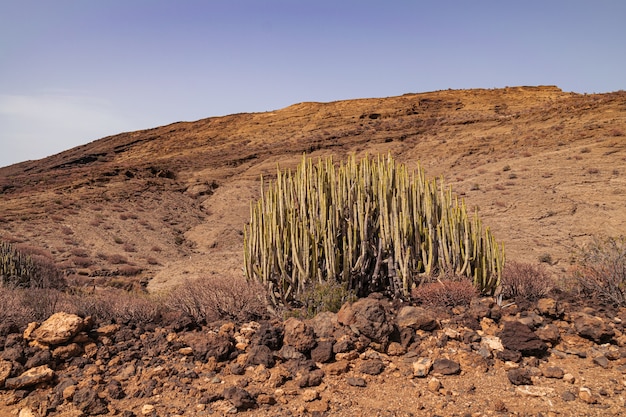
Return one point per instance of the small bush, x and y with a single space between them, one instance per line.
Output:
223 298
601 269
527 281
329 296
117 305
445 293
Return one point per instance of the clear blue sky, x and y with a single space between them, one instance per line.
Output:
72 71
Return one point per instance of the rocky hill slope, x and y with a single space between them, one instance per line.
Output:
544 168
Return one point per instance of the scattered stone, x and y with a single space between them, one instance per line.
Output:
58 328
147 409
549 334
499 406
309 395
371 367
593 328
239 397
67 351
26 412
324 324
508 355
30 378
434 385
311 379
492 343
265 399
585 394
368 317
114 390
299 335
553 372
323 352
356 382
41 357
88 401
417 318
395 349
519 376
5 371
446 367
421 368
568 396
318 407
549 307
260 355
337 368
518 336
601 361
569 378
532 391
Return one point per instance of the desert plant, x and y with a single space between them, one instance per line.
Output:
223 298
368 225
445 293
525 280
27 267
601 269
321 297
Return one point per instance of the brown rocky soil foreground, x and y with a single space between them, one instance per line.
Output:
373 358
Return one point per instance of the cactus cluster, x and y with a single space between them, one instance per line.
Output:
370 225
20 269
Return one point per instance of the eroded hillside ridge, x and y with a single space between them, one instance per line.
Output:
542 166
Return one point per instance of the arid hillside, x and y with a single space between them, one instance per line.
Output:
545 169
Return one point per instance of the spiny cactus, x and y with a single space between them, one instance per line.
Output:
20 269
370 225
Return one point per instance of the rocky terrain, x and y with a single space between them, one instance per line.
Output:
145 210
373 357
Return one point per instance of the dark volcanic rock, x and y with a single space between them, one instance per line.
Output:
519 376
446 367
260 355
89 402
518 336
270 335
371 367
41 357
369 317
356 382
239 397
594 328
299 335
323 352
417 318
311 379
30 378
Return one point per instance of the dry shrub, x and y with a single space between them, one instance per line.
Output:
524 280
81 262
601 269
219 298
129 270
117 259
21 306
445 293
116 305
